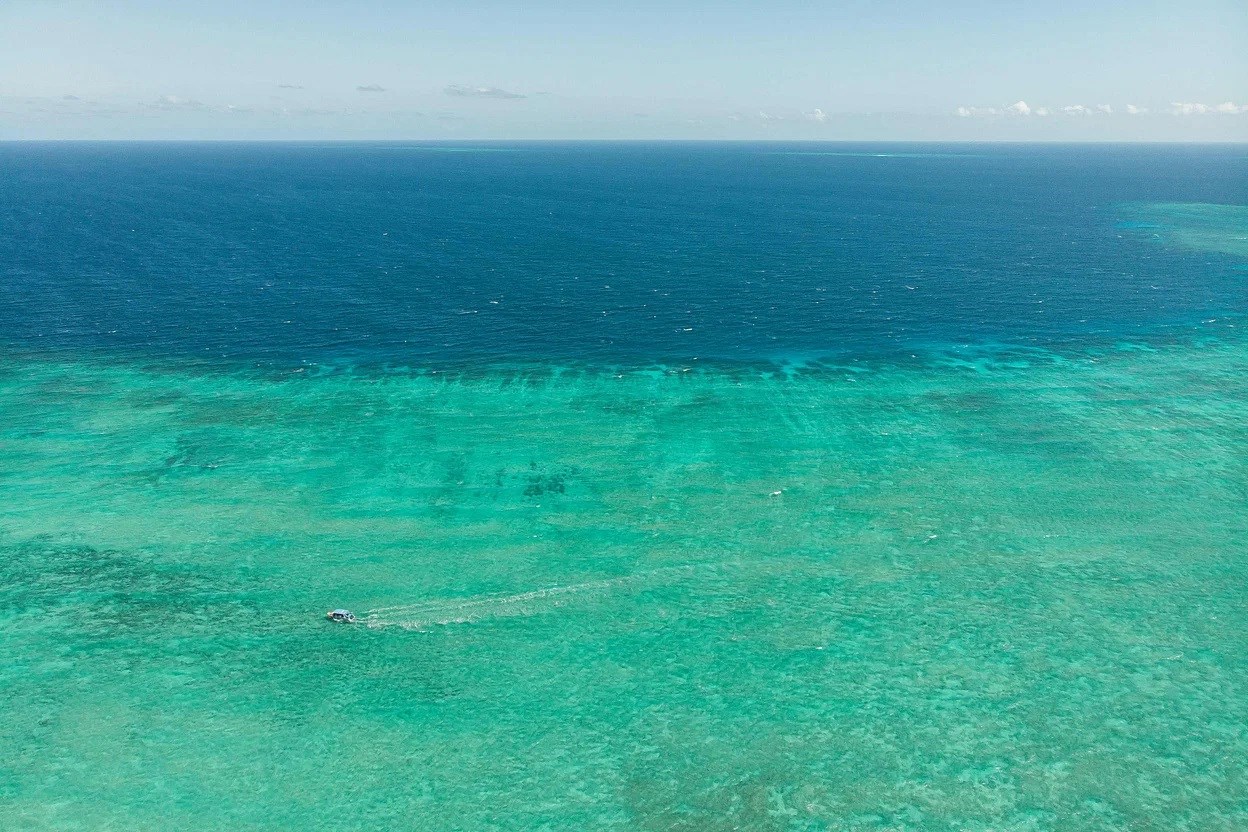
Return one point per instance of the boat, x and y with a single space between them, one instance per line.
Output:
341 616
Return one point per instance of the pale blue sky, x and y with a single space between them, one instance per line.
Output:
889 69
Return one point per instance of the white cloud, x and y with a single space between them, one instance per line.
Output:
460 91
370 88
769 116
175 102
1184 108
1022 108
817 115
968 112
1191 108
1018 108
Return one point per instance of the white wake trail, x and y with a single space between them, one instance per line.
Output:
476 608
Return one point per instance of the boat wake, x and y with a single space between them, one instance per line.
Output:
474 608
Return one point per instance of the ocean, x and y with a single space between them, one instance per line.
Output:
736 486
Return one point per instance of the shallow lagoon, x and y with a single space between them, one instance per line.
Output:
963 594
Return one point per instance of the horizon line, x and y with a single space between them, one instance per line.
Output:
601 140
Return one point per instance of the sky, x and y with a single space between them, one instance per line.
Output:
986 70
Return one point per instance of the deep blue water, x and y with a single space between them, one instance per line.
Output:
602 253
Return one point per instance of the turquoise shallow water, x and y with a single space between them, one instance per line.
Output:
993 593
1222 229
